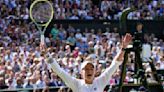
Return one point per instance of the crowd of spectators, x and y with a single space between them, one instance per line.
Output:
22 60
88 9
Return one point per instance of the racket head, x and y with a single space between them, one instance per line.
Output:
41 12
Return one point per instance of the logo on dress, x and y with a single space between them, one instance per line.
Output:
95 89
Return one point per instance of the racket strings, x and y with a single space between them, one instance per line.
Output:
42 12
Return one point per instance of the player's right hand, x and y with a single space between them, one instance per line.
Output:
49 60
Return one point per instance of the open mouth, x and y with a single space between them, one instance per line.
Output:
89 75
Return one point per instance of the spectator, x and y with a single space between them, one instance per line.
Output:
27 84
2 83
19 83
55 32
20 54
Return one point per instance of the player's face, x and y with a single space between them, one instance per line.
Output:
88 73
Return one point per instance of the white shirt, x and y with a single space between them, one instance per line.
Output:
78 85
102 52
40 84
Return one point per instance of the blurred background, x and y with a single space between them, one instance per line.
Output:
79 29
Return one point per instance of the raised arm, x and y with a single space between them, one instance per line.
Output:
68 79
106 75
71 82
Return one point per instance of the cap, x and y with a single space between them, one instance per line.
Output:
86 63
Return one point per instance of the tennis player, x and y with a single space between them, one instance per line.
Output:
90 83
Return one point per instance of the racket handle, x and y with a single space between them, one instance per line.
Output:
42 39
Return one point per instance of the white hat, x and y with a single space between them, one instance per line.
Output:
87 62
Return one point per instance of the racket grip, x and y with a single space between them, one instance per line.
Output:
42 39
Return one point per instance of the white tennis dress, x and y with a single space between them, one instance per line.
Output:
79 85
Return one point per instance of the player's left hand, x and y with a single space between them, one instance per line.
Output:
126 40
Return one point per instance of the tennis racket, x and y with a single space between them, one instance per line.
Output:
41 13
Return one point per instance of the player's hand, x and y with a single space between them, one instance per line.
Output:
42 46
126 40
49 59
